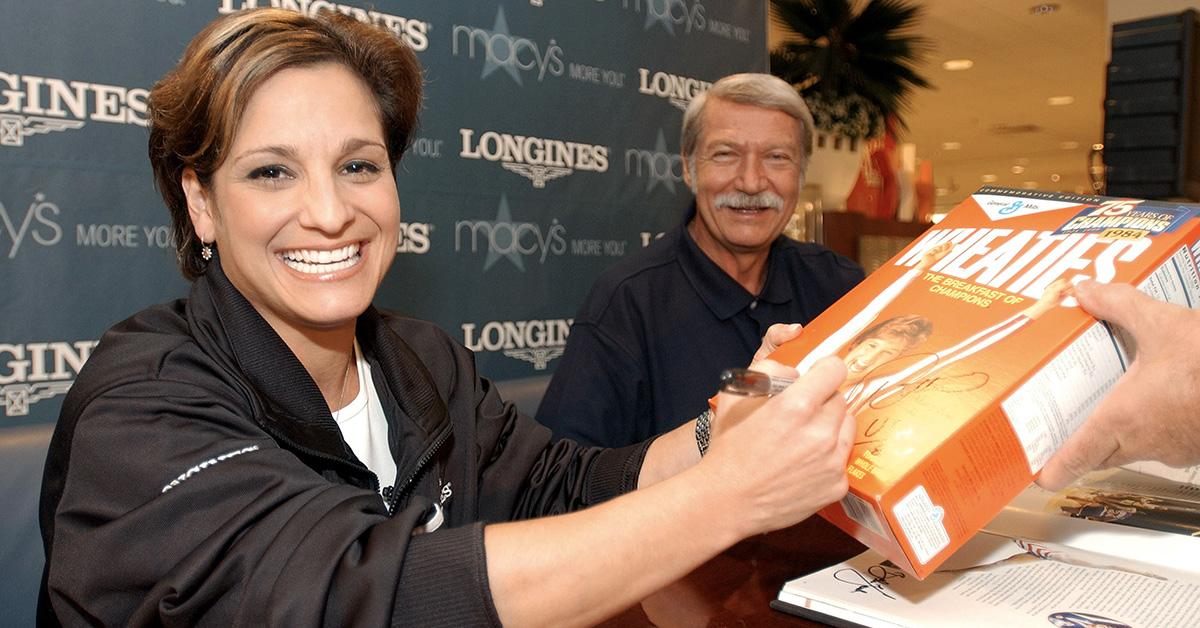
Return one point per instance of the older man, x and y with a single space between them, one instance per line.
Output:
651 339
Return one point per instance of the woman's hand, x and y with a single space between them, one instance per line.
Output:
778 460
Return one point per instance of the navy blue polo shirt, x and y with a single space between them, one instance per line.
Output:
648 346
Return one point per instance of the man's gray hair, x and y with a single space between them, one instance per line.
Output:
761 90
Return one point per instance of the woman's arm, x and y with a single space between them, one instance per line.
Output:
775 463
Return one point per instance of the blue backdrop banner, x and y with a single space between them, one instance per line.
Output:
548 148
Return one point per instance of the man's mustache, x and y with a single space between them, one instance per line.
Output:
741 200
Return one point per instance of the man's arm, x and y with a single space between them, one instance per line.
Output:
1152 411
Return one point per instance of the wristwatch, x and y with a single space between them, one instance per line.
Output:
703 427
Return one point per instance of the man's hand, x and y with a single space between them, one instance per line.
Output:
1152 411
777 334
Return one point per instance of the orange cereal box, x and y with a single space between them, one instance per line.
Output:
969 363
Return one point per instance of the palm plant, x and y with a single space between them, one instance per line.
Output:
856 70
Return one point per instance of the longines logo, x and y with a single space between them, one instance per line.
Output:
511 240
656 165
36 371
503 50
46 231
669 14
537 159
414 238
678 90
33 105
415 33
537 342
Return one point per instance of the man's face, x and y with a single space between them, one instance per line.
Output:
746 179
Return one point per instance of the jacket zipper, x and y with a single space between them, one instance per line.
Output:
401 488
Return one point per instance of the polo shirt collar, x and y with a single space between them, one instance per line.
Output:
724 296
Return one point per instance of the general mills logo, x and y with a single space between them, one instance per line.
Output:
1008 209
656 165
45 232
535 158
670 14
511 240
36 371
415 33
537 342
414 238
502 50
34 105
678 90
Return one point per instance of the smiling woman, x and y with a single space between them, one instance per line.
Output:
305 219
273 450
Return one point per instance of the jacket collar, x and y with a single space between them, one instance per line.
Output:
239 337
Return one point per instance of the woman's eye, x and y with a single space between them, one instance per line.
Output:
361 167
268 172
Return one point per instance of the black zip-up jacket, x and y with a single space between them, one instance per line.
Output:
196 477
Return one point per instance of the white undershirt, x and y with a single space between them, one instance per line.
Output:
365 428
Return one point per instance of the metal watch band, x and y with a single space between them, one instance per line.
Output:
703 425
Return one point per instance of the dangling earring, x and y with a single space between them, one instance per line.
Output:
206 252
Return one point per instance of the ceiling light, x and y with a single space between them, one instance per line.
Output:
954 65
1068 145
1017 169
1097 146
989 178
951 145
1060 100
1055 177
1029 185
936 218
1043 8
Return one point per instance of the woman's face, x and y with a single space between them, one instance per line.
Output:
868 354
304 209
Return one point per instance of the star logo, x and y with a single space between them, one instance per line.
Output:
501 37
504 217
662 16
660 148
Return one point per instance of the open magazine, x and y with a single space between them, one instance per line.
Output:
1116 549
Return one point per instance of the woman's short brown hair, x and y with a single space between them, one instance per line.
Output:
911 329
196 107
